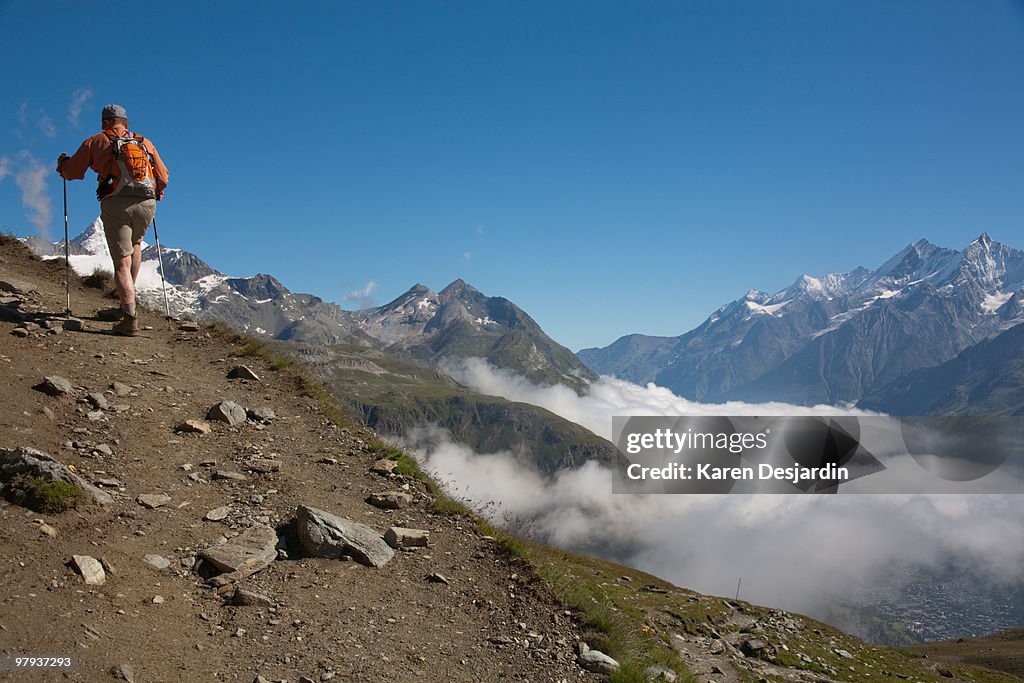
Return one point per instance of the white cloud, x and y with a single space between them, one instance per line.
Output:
362 298
797 552
30 175
79 98
46 125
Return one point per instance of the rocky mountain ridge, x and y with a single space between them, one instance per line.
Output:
837 338
420 325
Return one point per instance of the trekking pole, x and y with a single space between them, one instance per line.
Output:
163 281
67 252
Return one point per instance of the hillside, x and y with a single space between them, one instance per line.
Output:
394 396
472 606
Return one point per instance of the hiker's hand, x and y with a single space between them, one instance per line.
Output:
60 161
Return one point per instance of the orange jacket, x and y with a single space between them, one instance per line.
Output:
97 153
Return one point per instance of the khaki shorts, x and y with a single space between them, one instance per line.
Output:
125 221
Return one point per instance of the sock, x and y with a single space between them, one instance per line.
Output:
129 309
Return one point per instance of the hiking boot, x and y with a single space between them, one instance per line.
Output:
127 327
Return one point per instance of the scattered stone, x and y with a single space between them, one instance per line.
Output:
73 324
244 598
399 537
35 463
46 528
328 461
20 332
193 427
227 411
158 599
660 673
99 401
189 326
49 414
384 466
325 535
157 561
217 514
95 415
392 500
244 554
597 662
104 449
108 566
153 500
229 475
439 578
120 390
262 415
260 679
843 653
243 372
123 672
55 386
90 569
265 466
108 482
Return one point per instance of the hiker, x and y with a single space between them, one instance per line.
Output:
132 178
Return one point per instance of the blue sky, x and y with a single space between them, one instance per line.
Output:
611 167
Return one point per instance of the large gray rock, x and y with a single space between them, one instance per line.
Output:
227 411
35 463
244 554
597 662
243 372
55 386
325 535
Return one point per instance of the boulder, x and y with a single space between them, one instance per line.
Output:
55 386
243 372
262 414
398 537
193 427
597 662
35 463
227 411
90 569
244 554
391 500
325 535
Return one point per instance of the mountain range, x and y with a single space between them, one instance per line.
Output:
420 325
844 337
931 330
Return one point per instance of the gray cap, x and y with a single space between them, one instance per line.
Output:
114 111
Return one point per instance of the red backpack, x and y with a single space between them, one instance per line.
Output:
131 173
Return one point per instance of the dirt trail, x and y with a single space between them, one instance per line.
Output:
328 619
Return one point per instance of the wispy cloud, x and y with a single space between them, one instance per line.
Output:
803 553
362 298
30 175
466 255
79 98
46 125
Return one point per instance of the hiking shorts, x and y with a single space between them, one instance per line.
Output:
125 221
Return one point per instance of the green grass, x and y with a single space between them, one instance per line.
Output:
50 497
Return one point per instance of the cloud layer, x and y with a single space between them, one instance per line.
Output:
798 552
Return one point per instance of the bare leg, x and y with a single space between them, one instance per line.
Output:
124 278
136 265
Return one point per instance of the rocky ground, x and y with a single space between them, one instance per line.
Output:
458 610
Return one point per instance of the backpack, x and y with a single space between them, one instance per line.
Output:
131 173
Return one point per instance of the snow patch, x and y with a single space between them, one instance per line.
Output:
993 302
